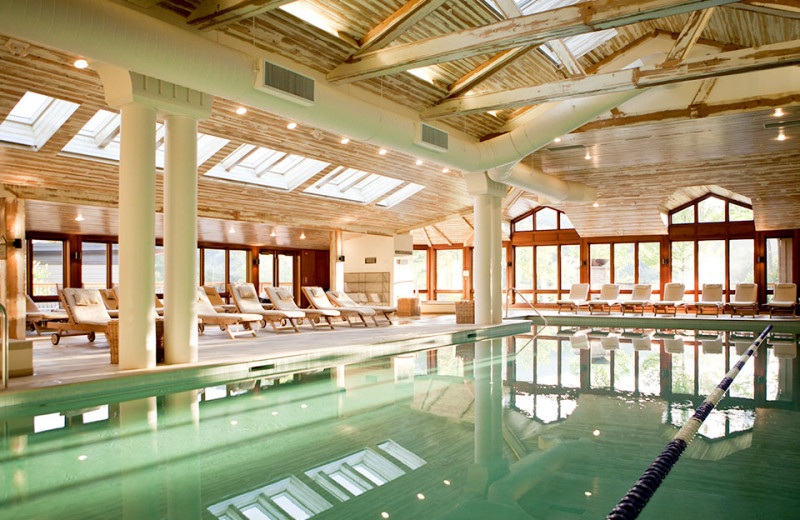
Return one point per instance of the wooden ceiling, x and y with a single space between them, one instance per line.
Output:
637 162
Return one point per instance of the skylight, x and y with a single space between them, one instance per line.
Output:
581 44
401 195
100 138
34 119
353 185
257 165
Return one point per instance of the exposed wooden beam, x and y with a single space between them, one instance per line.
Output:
449 242
689 35
512 198
485 70
427 236
568 61
532 29
733 62
781 8
213 14
703 92
403 231
396 24
509 8
467 222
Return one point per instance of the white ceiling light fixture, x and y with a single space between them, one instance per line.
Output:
557 140
81 63
79 218
419 162
778 112
302 236
291 126
345 140
781 136
596 204
383 151
587 156
241 111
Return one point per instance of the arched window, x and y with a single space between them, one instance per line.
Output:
541 219
709 209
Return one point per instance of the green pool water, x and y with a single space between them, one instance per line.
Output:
558 426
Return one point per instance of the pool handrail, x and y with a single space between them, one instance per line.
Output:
508 295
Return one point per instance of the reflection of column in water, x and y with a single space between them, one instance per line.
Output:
341 384
483 404
497 398
140 489
178 444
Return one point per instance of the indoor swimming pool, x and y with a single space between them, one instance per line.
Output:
557 426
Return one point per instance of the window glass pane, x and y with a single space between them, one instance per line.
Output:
743 385
566 223
238 265
600 262
773 263
523 359
546 267
546 219
683 371
503 269
741 261
649 253
449 268
214 269
546 298
600 370
115 264
738 213
421 271
523 268
48 266
525 224
624 265
779 368
93 265
711 261
711 209
683 264
266 262
159 269
546 362
286 270
684 216
570 266
711 369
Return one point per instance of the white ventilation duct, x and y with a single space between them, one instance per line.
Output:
110 33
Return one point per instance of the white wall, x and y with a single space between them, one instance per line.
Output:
358 247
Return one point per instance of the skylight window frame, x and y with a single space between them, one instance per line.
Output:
302 496
279 170
400 195
329 475
352 185
35 131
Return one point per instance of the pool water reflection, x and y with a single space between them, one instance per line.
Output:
554 426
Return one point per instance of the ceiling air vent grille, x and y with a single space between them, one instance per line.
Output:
433 138
285 83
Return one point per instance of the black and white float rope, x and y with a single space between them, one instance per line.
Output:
634 501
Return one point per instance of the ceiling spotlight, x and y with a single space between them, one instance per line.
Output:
781 136
273 234
419 162
445 170
292 125
587 156
345 140
778 111
80 63
557 140
492 112
231 230
79 218
596 205
382 151
241 111
302 236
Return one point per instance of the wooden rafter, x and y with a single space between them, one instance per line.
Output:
514 194
568 61
467 222
703 92
402 231
782 8
732 62
427 236
485 70
689 35
532 29
396 24
446 239
213 14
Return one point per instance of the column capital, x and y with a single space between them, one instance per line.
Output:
479 183
122 87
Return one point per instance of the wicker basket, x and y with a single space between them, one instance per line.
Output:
408 307
112 335
465 311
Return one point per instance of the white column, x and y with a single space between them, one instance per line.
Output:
180 240
481 256
137 206
497 267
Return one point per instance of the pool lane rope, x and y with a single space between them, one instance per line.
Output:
634 501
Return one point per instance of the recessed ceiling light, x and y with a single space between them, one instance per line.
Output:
80 63
778 112
345 140
273 234
587 156
231 230
241 111
302 236
445 170
492 112
382 151
557 140
781 136
79 218
596 205
292 125
419 162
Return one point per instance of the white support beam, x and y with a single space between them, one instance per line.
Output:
509 8
689 35
570 64
532 29
396 24
781 8
734 62
213 14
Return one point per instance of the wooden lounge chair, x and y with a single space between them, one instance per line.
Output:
246 300
673 299
341 299
87 314
282 300
226 320
216 300
640 298
710 299
318 300
38 320
784 298
578 293
745 299
609 294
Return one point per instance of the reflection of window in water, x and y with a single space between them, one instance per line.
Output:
781 352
